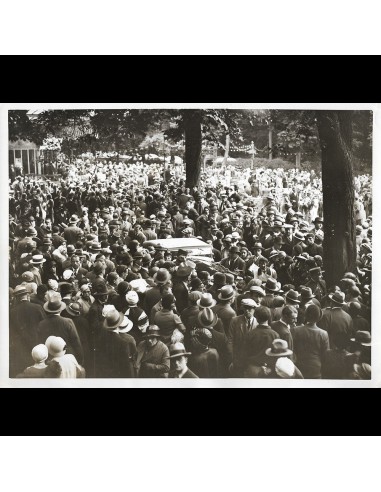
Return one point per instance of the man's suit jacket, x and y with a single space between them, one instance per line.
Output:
181 293
237 335
233 265
95 319
205 364
81 273
114 355
23 334
152 297
284 333
65 328
336 321
152 363
226 313
71 234
310 345
188 375
258 341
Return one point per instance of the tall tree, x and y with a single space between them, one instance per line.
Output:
192 120
336 140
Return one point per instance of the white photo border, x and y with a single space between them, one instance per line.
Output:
5 381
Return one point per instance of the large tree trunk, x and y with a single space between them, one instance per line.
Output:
335 132
193 146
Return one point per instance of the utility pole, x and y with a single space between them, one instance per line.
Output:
253 150
270 141
298 159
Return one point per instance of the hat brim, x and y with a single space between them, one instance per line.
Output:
272 290
358 369
225 298
98 294
296 301
37 262
47 310
361 343
214 322
333 300
118 323
287 353
184 273
176 356
204 307
161 282
152 335
72 313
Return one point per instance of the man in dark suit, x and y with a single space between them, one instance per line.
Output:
209 320
260 339
153 296
316 283
180 287
115 348
152 356
234 263
72 233
283 326
237 335
75 265
23 335
335 319
179 360
310 344
223 309
73 311
56 325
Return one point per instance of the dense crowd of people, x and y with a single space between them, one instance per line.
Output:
89 298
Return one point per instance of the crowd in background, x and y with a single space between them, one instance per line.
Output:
89 298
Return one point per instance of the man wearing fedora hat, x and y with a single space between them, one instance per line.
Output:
178 357
153 295
335 319
219 280
306 299
58 326
72 233
36 264
190 314
223 308
167 319
316 283
283 326
361 344
271 288
204 361
24 319
152 357
208 319
115 347
95 316
310 343
234 263
180 286
258 341
73 311
237 335
271 369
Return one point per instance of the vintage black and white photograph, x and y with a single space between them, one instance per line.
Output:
190 243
